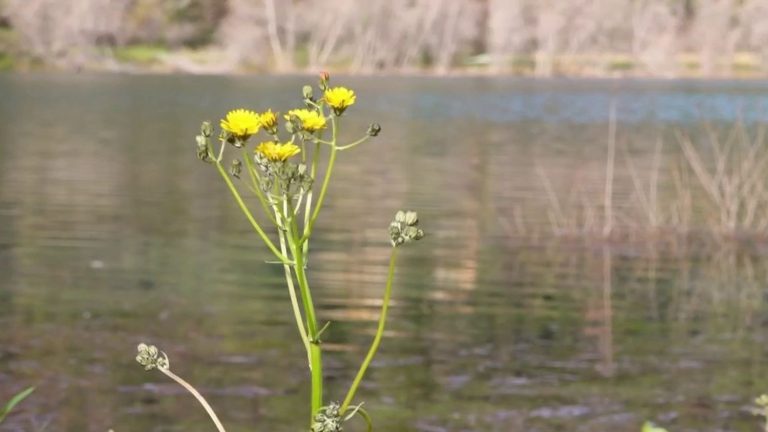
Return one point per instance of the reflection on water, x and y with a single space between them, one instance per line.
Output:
111 233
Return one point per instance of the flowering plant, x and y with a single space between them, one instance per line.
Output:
284 176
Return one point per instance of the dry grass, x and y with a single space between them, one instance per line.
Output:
710 186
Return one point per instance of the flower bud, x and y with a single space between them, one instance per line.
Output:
203 152
150 357
328 419
206 129
306 91
374 129
411 218
404 228
236 168
324 78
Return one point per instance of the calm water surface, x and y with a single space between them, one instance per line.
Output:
112 233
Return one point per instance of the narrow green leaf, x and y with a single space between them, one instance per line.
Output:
15 401
650 427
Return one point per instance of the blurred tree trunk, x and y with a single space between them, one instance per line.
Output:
283 54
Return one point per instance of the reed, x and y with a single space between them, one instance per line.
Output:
713 189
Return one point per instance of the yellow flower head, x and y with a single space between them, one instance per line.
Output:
276 152
268 120
311 121
241 123
339 98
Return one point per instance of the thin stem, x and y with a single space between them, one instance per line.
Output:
291 288
308 206
316 365
326 181
358 142
364 414
295 209
301 278
256 180
197 396
379 332
221 151
250 217
316 371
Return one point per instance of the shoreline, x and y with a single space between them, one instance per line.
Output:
140 60
421 73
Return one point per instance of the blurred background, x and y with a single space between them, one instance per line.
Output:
669 38
590 175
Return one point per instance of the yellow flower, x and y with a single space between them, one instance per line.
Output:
339 98
241 123
268 120
311 121
277 152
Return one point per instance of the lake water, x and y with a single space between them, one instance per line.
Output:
113 233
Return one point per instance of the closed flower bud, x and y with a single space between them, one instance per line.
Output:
150 357
206 129
324 78
374 129
411 218
306 91
203 152
328 419
236 168
404 228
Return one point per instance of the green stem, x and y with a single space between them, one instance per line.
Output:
289 280
377 339
316 365
364 414
308 206
256 180
197 396
358 142
249 215
324 189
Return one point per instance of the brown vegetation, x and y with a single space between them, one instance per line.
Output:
541 37
710 187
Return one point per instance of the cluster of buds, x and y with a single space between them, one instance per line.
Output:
150 357
762 407
374 129
291 178
328 419
236 168
404 228
204 142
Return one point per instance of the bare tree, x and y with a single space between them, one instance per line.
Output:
64 32
713 34
653 37
754 22
570 36
508 31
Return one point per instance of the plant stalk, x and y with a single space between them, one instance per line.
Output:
249 215
197 396
377 339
